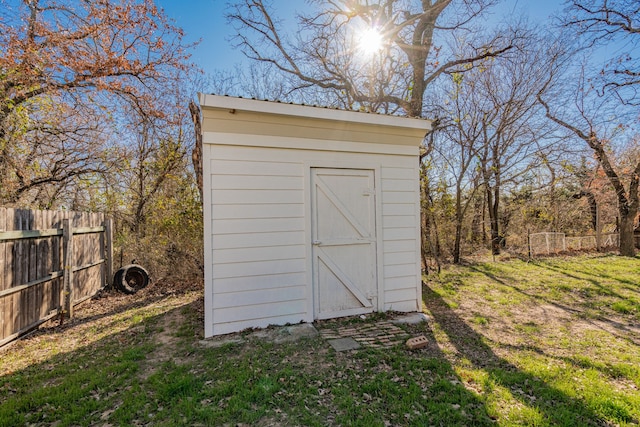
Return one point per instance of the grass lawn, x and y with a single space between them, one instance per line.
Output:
548 342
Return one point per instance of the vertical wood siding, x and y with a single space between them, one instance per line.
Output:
25 261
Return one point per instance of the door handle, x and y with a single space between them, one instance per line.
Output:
316 242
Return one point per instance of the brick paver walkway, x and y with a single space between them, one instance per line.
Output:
377 335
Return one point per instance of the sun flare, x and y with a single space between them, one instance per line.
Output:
370 41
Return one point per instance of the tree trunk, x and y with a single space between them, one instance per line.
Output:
493 202
458 226
478 214
627 241
430 237
456 244
196 154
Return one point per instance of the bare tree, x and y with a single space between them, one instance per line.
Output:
458 141
611 23
67 69
599 135
326 54
495 132
594 108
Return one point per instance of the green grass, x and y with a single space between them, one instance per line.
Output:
544 343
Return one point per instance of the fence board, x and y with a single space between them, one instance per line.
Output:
31 265
3 286
8 276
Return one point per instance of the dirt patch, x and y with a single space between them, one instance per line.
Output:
108 314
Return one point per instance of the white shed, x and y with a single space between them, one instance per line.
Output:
309 213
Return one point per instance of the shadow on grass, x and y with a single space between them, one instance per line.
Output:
625 331
111 380
130 378
91 383
553 405
523 292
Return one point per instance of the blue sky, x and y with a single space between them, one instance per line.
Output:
204 20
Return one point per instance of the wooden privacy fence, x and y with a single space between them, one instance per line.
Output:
49 262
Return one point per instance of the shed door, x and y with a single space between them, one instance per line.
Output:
344 241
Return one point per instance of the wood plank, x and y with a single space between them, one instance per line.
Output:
259 268
22 271
404 245
357 160
251 197
88 266
88 229
240 284
56 261
399 233
40 254
251 211
396 258
260 225
336 142
33 315
399 184
43 256
228 327
17 289
261 296
48 267
398 209
409 173
68 261
408 197
2 256
256 168
9 274
84 284
29 234
399 299
396 283
402 305
257 240
244 182
399 270
261 311
399 221
108 252
78 256
267 253
3 273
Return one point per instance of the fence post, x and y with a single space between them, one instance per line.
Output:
108 229
546 240
67 245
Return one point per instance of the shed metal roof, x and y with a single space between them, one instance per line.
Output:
308 111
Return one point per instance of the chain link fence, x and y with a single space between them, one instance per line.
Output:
548 243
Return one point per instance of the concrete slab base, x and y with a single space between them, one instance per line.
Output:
344 344
287 333
411 318
219 342
279 334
